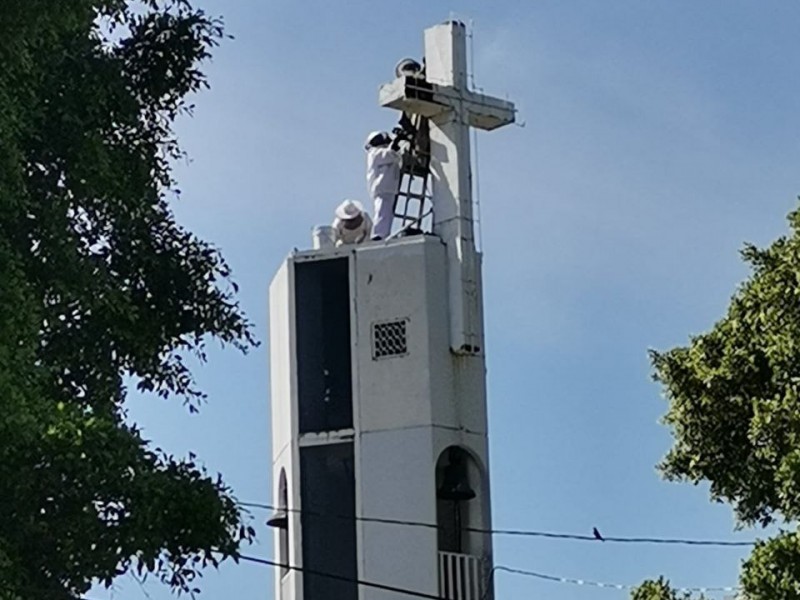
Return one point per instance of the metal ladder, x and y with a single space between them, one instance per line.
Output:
412 202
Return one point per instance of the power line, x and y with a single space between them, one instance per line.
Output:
623 540
521 532
487 583
600 584
361 582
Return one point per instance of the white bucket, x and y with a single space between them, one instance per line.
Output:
323 237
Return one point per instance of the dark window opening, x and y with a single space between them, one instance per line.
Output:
322 313
328 521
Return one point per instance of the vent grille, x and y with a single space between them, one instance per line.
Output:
389 339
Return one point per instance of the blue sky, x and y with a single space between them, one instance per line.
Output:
658 137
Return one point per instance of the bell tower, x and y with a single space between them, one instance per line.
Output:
378 384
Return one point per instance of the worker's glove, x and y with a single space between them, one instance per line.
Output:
402 134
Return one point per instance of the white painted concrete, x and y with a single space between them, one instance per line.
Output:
284 420
407 409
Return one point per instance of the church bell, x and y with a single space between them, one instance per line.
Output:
455 480
279 519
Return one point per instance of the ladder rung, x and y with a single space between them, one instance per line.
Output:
415 171
414 195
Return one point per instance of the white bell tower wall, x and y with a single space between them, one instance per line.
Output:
412 399
411 407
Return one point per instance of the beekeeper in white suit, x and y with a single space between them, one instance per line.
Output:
383 180
352 224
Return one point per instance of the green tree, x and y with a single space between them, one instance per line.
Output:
100 287
659 590
734 410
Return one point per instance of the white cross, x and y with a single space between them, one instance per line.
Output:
445 98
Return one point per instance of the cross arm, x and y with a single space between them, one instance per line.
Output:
483 112
417 96
411 95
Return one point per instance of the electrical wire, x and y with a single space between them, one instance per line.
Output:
361 582
487 582
522 532
600 584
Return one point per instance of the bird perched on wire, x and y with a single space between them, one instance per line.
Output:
597 535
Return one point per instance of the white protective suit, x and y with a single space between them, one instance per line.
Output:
352 235
383 180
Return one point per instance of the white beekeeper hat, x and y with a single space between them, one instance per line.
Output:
349 209
376 137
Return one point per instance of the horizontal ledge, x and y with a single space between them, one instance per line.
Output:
326 437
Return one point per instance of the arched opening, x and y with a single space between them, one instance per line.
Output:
458 501
462 514
283 532
280 521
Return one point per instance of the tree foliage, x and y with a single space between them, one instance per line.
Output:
773 569
659 589
101 286
734 409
